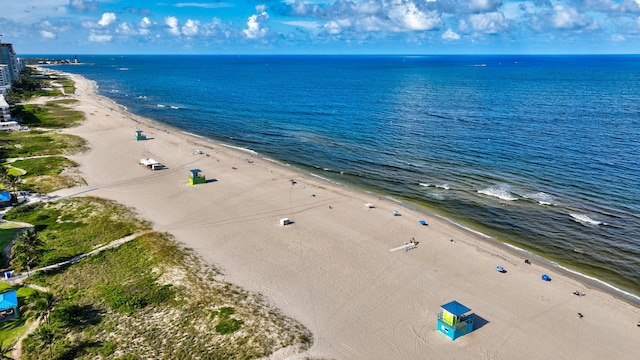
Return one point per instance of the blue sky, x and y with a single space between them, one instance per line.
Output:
321 26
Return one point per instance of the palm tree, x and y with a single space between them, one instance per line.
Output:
13 181
45 335
25 250
41 304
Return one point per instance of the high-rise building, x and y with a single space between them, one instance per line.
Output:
5 80
8 57
4 110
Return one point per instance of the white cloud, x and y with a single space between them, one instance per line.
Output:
254 28
107 18
450 35
190 28
335 27
409 17
144 26
172 23
47 34
93 37
332 27
489 23
567 18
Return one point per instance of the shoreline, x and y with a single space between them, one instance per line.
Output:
473 244
570 268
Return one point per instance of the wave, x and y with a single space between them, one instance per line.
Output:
585 219
616 289
241 149
541 197
324 178
501 192
442 186
174 107
160 105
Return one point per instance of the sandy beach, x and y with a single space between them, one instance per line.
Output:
331 269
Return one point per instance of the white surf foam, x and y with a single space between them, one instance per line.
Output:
541 197
585 219
501 192
241 149
442 186
626 293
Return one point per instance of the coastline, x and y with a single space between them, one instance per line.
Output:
320 270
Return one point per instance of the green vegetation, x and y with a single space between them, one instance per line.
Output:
44 175
52 165
148 298
52 115
38 143
75 226
26 250
25 87
8 232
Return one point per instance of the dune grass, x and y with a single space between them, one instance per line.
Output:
148 298
52 115
46 174
39 143
75 226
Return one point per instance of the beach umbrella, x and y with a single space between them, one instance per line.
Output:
546 277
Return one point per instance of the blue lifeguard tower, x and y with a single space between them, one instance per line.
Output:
195 177
453 322
140 136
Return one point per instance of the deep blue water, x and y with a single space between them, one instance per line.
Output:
540 152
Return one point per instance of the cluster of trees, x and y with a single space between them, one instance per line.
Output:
22 88
26 250
9 180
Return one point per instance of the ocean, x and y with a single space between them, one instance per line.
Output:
541 153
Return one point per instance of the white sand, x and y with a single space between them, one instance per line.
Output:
332 269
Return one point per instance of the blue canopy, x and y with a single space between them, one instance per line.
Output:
455 308
8 300
546 277
5 196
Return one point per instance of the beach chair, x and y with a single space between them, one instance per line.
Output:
395 213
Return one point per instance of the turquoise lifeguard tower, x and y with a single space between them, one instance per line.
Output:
140 136
195 177
453 322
